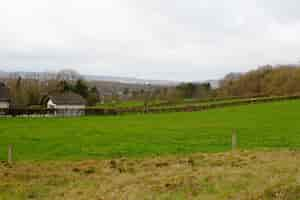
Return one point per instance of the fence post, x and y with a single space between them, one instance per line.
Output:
10 154
234 140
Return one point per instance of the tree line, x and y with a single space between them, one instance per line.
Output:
265 81
268 80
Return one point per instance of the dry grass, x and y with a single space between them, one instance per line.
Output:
240 175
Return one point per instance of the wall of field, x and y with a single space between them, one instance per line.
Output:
37 112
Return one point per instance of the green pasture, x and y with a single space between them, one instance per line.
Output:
271 125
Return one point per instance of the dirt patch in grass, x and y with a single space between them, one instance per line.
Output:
241 175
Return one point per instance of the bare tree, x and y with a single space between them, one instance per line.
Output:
68 75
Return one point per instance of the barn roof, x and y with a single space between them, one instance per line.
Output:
4 93
66 98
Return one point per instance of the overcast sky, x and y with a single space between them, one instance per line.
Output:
153 39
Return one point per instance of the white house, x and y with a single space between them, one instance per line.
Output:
4 96
68 103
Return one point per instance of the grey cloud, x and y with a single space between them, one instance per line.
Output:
170 39
282 11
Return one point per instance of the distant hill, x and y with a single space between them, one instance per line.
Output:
3 74
214 83
52 75
99 78
129 80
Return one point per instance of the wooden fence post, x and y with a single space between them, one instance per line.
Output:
10 154
234 140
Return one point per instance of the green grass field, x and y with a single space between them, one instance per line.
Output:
273 125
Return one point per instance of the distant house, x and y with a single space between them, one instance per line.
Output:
68 103
4 96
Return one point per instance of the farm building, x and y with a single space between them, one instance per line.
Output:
67 104
4 96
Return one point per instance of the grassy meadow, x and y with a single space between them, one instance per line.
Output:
259 126
243 175
169 156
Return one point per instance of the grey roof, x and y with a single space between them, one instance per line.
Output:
67 98
4 93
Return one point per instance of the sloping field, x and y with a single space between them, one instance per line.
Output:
272 125
272 175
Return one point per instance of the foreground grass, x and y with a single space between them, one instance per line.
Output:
244 175
273 125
